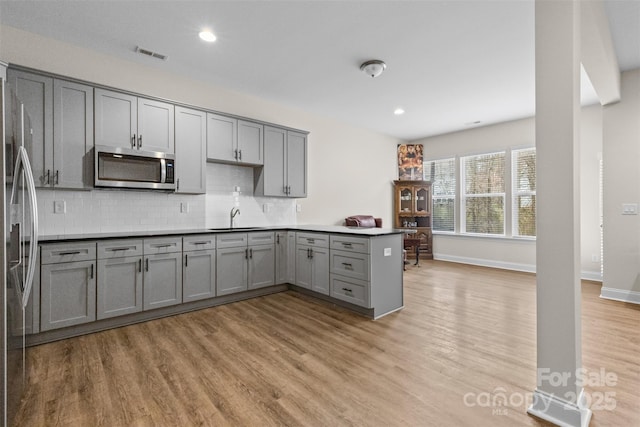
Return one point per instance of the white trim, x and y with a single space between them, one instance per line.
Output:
620 295
527 268
559 411
594 276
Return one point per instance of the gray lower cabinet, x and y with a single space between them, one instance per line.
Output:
119 286
231 275
261 266
199 267
162 282
244 261
119 277
312 262
285 257
162 279
67 285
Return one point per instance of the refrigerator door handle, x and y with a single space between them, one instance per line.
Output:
23 162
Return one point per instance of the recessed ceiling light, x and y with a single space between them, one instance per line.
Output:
207 36
398 111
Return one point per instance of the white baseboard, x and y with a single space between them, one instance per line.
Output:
528 268
559 411
620 295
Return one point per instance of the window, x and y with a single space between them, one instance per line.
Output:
483 193
524 192
442 174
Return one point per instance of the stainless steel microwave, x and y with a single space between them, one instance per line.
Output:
126 168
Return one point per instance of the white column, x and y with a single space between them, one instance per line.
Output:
557 397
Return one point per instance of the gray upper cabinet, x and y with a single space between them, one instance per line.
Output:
123 120
230 140
191 136
296 164
155 126
72 165
250 143
61 121
284 173
36 93
116 119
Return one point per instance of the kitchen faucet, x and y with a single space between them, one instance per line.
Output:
234 212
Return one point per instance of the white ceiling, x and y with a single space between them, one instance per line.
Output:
450 63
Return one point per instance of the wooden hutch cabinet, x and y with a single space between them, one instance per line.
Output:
412 210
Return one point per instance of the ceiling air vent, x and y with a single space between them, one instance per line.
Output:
151 53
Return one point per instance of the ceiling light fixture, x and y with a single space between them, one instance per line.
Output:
207 36
373 68
398 111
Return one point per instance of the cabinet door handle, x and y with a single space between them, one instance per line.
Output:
126 248
48 176
140 141
186 260
162 245
347 290
246 254
235 154
200 243
146 264
133 141
288 189
251 253
68 253
91 273
347 245
277 239
311 252
347 265
57 180
178 184
140 265
240 154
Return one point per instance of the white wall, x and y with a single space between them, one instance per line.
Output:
349 170
622 185
519 254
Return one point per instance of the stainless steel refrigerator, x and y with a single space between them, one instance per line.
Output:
20 234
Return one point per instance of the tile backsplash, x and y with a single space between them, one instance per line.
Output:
100 211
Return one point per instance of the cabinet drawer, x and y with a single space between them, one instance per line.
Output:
350 243
350 264
313 239
119 248
162 245
67 252
262 238
350 290
231 240
199 242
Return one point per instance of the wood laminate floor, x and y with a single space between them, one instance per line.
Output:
466 335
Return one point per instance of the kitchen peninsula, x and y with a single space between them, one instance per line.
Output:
92 282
